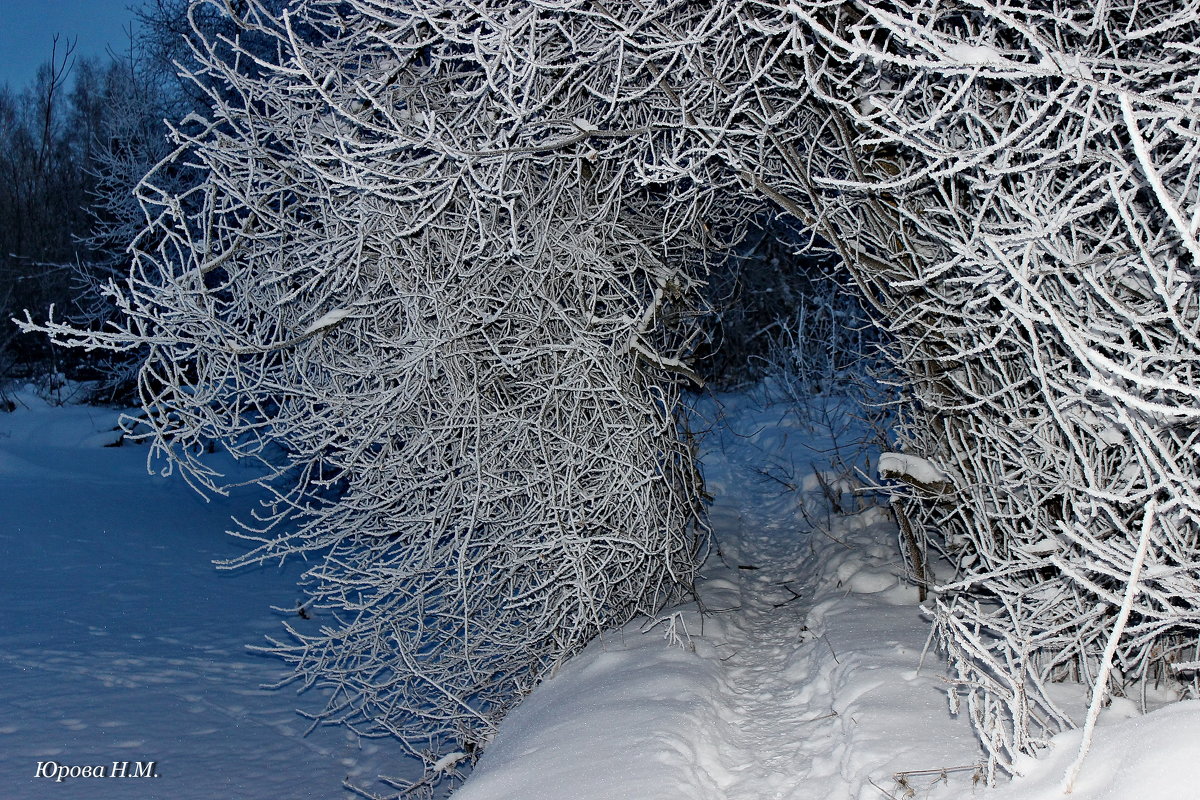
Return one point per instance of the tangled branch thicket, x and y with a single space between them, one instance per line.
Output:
443 255
445 348
1042 185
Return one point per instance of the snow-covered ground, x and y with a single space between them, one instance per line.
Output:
804 679
119 640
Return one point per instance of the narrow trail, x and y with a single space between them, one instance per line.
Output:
773 725
768 687
819 637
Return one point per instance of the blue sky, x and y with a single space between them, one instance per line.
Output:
27 28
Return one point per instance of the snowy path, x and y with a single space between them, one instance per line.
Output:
798 683
772 731
820 646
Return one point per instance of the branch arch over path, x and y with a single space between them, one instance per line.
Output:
442 257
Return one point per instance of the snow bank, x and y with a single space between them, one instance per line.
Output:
1150 757
804 679
627 717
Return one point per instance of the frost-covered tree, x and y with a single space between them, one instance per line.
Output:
1030 227
41 193
443 324
125 104
437 271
